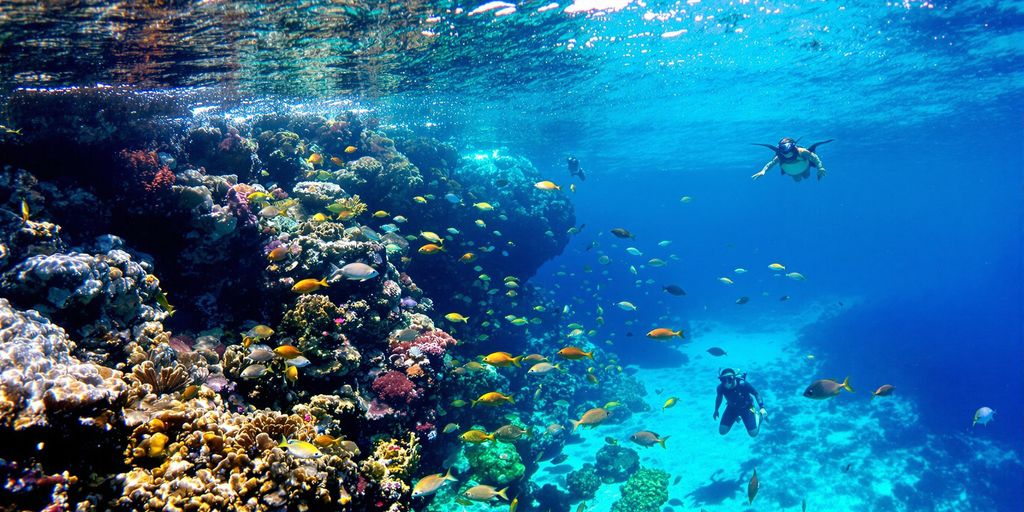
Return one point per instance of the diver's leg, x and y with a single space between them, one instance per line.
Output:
750 421
728 418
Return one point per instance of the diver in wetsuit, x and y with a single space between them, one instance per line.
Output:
574 168
794 160
739 405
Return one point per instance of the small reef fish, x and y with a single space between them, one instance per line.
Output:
883 390
626 305
278 253
300 449
351 149
254 371
291 373
553 429
449 428
826 388
725 280
634 251
431 237
468 258
512 506
190 392
485 493
480 223
358 272
715 351
337 161
502 359
685 199
419 200
983 416
574 353
646 438
287 352
674 290
456 317
261 331
796 276
671 402
623 233
542 368
784 298
591 418
298 362
752 486
664 243
476 436
431 483
458 403
663 333
430 249
656 262
260 353
509 433
777 266
400 219
380 214
740 270
535 358
452 198
309 285
493 398
315 159
484 207
743 300
546 185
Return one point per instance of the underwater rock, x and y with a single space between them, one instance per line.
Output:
583 483
645 491
616 463
40 377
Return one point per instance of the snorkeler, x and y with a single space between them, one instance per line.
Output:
794 160
738 392
574 168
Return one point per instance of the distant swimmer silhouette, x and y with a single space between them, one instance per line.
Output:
574 168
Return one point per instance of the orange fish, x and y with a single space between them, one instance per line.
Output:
287 352
662 333
468 257
502 359
351 149
309 285
574 353
591 418
431 249
315 159
337 161
493 398
278 254
292 373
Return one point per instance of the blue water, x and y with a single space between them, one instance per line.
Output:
911 245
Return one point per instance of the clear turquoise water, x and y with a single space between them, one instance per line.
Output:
911 245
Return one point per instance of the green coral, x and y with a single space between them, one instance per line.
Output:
495 463
645 491
312 315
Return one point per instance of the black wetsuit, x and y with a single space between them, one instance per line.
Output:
738 404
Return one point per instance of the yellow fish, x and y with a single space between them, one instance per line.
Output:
431 237
519 321
725 280
486 207
468 258
287 352
319 217
262 331
430 249
337 161
546 185
315 159
493 398
420 200
777 266
291 373
309 285
24 211
476 436
572 187
455 317
431 483
480 223
502 359
300 449
351 149
380 214
671 402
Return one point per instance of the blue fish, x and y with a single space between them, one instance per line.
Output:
452 198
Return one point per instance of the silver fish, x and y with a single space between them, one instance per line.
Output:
254 371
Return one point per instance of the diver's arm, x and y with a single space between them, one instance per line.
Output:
817 163
718 401
773 161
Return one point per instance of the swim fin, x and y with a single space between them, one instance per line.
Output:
816 144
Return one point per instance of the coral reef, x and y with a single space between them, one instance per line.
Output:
495 463
39 377
615 463
583 483
645 491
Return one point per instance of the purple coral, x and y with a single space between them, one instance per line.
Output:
394 387
238 204
434 343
